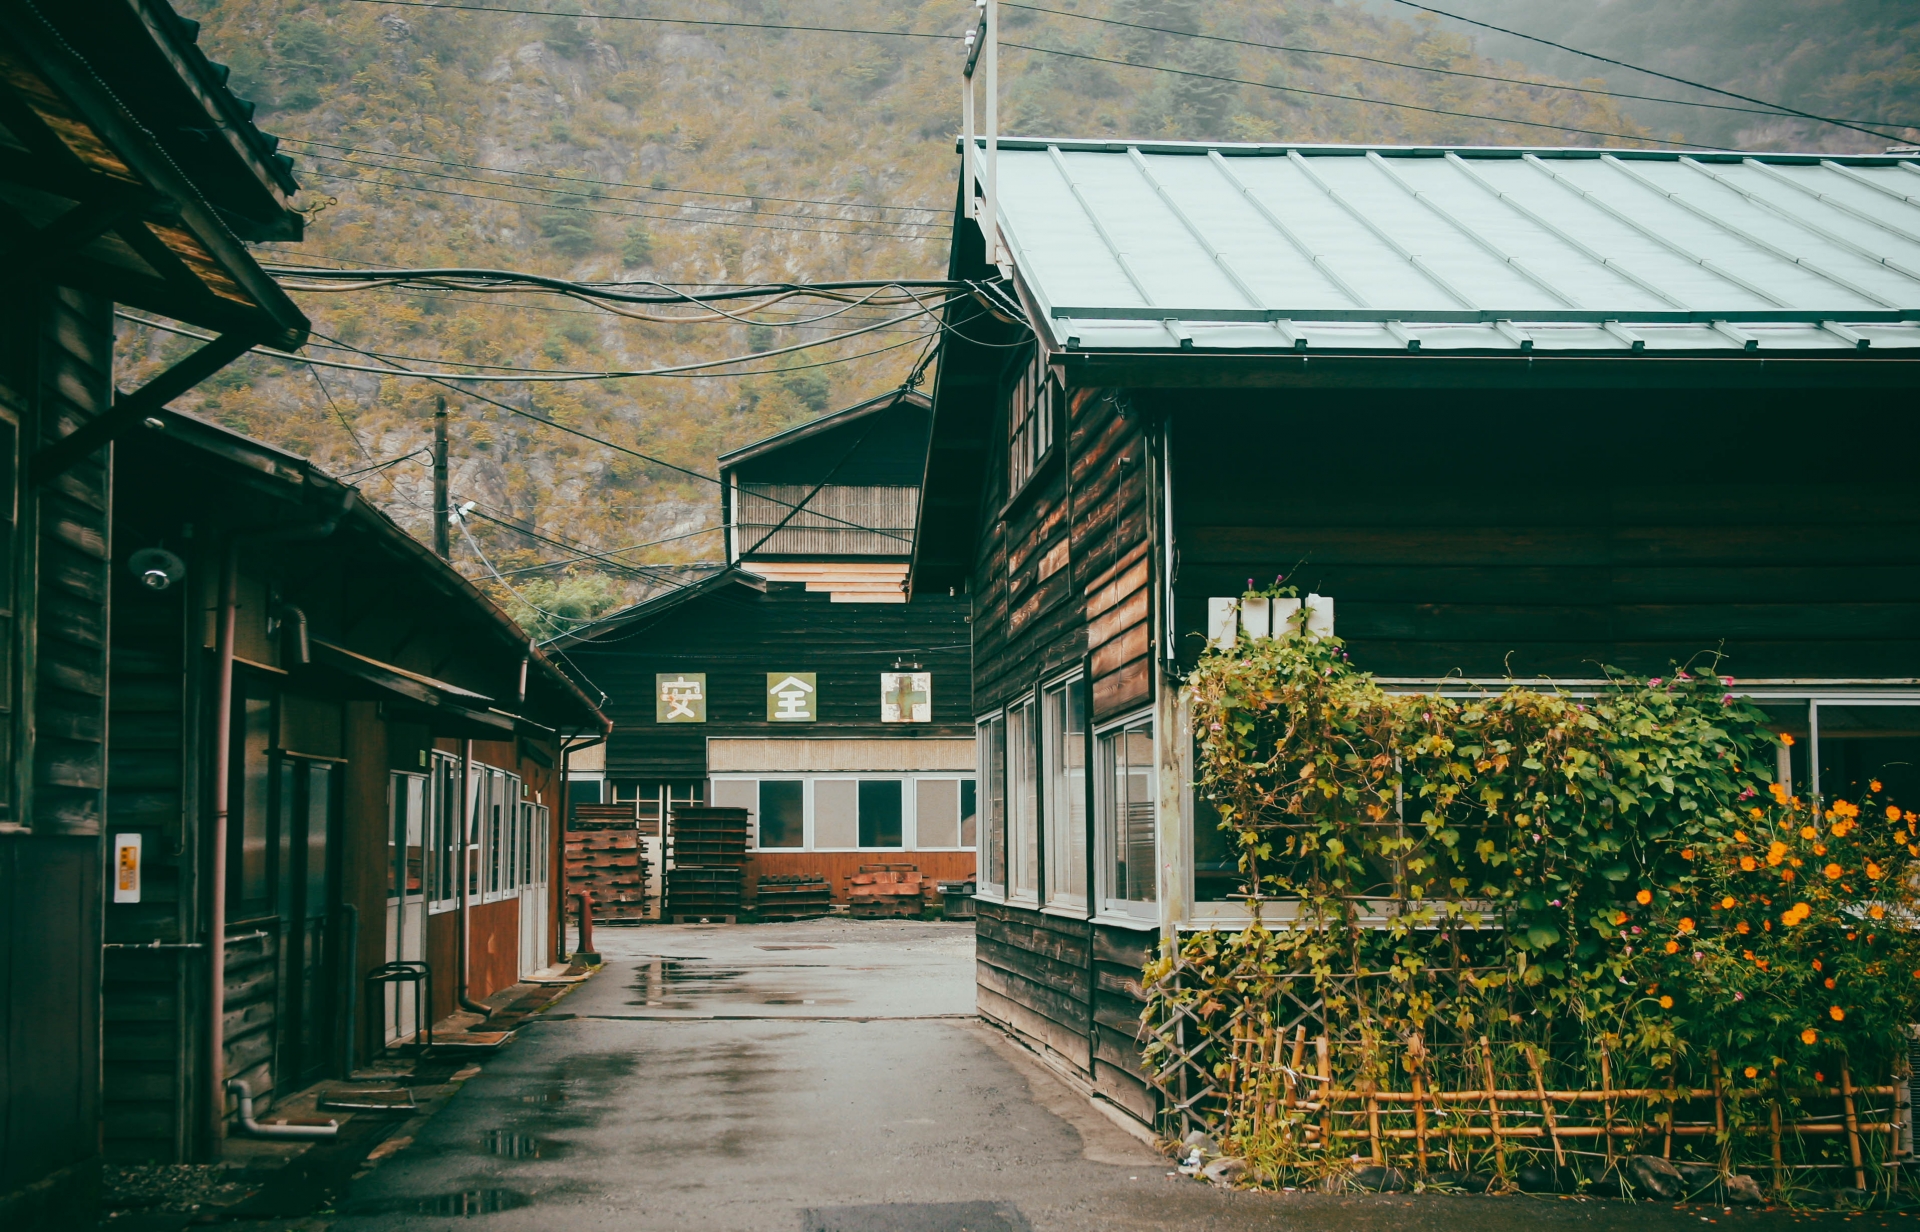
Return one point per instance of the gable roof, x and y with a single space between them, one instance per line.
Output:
797 442
1198 246
655 606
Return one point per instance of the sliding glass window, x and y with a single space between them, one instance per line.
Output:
990 746
1126 803
1064 750
1023 804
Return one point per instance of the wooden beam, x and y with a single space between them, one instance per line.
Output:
69 233
128 409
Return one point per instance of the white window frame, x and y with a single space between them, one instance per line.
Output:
443 803
1023 830
984 885
1054 830
909 805
1110 909
1030 424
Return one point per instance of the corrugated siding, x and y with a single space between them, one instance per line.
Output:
1170 246
821 527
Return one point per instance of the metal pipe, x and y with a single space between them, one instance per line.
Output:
297 619
469 828
254 1127
217 908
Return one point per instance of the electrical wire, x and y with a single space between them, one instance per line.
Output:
572 179
1074 55
1697 85
719 210
645 571
586 209
1358 98
445 275
613 552
549 377
1418 68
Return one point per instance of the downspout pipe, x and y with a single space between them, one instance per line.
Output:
222 771
469 825
239 1086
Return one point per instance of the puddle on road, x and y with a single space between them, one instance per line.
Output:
545 1097
793 947
509 1145
663 983
467 1202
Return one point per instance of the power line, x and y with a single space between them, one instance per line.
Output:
665 21
573 192
1697 85
1418 68
570 179
613 552
649 572
434 275
1072 55
1353 98
585 209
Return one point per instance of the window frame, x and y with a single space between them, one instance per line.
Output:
1032 422
1108 908
1025 835
1056 813
909 781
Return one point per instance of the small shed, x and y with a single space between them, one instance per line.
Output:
1511 413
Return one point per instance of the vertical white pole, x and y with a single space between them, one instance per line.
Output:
966 145
991 226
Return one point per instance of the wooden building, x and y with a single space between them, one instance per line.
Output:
367 678
1509 413
797 681
130 176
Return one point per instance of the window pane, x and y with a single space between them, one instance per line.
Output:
782 813
936 813
1066 794
396 825
413 871
880 812
256 737
1023 791
969 815
1862 745
836 813
584 791
1216 860
993 760
1127 812
319 815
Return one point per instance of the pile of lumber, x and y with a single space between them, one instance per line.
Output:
608 863
792 896
882 891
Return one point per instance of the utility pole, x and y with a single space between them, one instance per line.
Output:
442 533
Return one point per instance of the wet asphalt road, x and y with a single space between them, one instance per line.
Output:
830 1075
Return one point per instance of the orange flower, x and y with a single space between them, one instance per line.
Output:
1893 813
1836 1013
1686 924
1643 897
1726 903
1748 864
1829 981
1786 738
1743 928
1877 912
1808 832
1833 872
1873 784
1786 874
1666 1003
1673 947
1776 853
1817 966
1820 849
1752 1072
1874 871
1619 917
1809 1035
1740 836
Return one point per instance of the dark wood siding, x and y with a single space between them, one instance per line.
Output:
737 634
1495 531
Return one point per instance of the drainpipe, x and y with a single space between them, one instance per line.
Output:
468 824
222 797
275 1131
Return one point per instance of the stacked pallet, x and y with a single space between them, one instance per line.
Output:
885 891
709 858
605 859
792 896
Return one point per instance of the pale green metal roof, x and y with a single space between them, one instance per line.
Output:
1171 245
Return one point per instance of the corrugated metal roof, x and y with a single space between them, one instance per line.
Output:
1165 245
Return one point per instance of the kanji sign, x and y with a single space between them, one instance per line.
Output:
790 697
680 697
126 868
906 697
